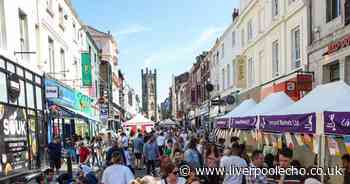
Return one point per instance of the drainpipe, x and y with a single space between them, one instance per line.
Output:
310 40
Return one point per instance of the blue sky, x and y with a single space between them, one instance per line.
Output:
165 35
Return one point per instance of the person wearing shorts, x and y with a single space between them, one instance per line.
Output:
138 148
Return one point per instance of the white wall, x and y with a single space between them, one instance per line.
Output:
278 28
11 12
225 61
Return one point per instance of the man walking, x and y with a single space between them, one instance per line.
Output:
55 155
233 161
151 154
117 173
115 148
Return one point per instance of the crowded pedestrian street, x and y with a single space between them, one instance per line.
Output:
174 92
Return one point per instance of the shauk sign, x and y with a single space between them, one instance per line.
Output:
333 47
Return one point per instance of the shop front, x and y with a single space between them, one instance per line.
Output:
295 85
71 113
332 61
22 125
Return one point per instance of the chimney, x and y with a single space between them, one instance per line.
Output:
235 14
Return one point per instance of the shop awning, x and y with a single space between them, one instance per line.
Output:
71 113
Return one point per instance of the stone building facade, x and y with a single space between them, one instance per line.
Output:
149 94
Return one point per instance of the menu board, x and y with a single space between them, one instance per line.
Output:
13 140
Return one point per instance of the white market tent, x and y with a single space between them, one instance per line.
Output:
271 103
333 96
138 120
167 122
241 108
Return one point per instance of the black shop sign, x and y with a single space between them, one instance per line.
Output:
13 140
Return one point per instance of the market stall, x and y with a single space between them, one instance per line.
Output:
139 122
316 120
168 123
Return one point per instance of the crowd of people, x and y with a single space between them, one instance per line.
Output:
163 152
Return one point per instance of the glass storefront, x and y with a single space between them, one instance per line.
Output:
21 119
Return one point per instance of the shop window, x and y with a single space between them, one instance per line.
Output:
22 95
3 88
334 74
2 26
39 103
332 9
30 95
2 63
10 67
38 80
29 75
20 71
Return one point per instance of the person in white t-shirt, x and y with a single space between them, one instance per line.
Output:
124 140
233 161
160 142
117 173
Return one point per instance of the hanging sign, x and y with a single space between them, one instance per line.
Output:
337 123
51 91
244 122
297 123
86 69
333 47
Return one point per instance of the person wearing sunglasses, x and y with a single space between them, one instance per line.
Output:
170 173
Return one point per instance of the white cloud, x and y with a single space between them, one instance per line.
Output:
132 29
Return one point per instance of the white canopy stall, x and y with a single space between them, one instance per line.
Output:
139 122
168 122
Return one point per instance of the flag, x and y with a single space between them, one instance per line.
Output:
347 143
289 141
